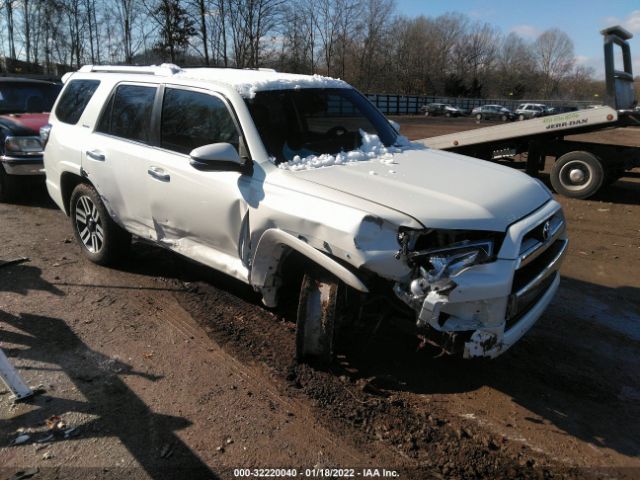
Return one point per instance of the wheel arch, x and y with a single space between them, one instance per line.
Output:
272 250
69 181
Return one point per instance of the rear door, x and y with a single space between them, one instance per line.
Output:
116 152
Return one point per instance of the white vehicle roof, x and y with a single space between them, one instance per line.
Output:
245 82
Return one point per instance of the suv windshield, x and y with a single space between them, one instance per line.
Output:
308 122
27 97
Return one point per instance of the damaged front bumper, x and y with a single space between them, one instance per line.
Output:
485 309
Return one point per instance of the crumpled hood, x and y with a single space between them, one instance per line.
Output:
439 189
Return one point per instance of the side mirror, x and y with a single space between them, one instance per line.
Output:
395 125
217 156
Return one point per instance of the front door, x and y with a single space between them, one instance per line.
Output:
200 214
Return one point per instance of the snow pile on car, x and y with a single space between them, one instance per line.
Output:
248 82
371 149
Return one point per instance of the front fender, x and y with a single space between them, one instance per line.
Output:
272 245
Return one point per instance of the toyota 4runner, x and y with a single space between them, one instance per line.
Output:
268 176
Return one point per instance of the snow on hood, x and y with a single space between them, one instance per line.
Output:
371 149
248 82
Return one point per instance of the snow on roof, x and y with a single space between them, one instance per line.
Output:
248 82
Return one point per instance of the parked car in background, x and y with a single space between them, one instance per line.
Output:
299 187
445 109
493 112
562 109
526 111
24 107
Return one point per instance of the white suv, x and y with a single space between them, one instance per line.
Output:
531 110
270 177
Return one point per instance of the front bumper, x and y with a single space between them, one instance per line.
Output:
490 306
22 165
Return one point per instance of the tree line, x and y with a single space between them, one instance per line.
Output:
366 42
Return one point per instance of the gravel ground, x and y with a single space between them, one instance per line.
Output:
165 369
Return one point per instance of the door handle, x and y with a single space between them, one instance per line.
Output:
159 174
96 155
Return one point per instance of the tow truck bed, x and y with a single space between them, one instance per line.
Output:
581 168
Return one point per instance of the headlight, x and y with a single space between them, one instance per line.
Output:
448 262
22 145
440 254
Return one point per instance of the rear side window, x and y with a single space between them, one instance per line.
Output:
192 119
74 100
128 113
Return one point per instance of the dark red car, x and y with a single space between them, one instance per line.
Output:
24 108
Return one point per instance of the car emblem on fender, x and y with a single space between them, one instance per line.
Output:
546 229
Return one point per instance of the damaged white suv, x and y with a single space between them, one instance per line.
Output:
268 176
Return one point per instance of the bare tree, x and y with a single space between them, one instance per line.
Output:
554 54
175 27
8 5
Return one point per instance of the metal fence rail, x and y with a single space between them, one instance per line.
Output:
410 104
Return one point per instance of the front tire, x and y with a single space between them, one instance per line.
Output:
521 117
319 308
101 239
479 117
426 114
504 118
577 174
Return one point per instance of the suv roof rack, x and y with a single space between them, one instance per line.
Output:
165 70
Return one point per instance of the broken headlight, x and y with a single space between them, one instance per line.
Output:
442 263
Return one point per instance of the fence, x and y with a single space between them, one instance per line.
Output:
410 104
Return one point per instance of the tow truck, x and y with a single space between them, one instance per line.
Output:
580 168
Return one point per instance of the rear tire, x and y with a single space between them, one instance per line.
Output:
319 308
8 187
101 239
504 118
577 174
448 114
426 114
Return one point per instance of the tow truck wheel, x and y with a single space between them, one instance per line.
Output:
318 308
577 175
7 186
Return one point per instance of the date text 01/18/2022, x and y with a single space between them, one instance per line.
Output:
315 473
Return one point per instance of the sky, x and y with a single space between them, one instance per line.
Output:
582 20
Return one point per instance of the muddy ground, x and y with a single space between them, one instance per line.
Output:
164 369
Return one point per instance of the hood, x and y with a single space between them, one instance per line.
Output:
438 189
24 123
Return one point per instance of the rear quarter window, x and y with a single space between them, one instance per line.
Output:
74 100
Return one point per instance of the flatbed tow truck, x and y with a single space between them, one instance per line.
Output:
580 168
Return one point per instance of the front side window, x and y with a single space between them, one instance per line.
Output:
74 100
128 113
193 119
314 121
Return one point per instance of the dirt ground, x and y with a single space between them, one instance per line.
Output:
165 369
